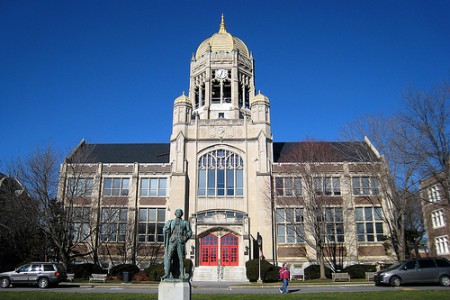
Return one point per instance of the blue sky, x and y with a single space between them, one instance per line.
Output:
109 71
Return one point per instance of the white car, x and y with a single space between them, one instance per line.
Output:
41 273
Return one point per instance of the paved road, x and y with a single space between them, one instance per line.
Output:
224 288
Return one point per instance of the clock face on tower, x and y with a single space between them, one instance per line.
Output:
221 73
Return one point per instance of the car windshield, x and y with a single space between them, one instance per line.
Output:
394 266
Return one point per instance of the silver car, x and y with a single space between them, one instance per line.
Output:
41 273
418 270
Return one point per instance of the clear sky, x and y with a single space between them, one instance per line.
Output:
109 71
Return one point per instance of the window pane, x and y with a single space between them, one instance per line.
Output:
368 214
239 182
161 215
359 214
230 182
153 187
162 187
202 182
211 182
220 182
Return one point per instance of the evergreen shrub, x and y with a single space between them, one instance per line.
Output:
313 272
85 270
358 271
269 272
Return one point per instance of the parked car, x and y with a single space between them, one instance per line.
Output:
420 270
41 273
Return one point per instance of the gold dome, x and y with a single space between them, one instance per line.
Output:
182 99
259 98
222 41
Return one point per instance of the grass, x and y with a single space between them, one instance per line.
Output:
398 295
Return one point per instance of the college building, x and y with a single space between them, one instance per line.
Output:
244 194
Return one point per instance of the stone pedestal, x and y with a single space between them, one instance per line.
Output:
174 290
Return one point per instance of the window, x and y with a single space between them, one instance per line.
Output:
81 223
437 218
369 224
80 187
151 224
426 263
221 173
153 187
113 224
334 224
290 225
365 185
434 194
288 186
116 187
441 245
329 186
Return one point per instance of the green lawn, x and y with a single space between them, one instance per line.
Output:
407 295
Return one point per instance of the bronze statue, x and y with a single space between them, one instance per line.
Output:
176 233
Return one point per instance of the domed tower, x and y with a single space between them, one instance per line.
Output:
221 78
221 153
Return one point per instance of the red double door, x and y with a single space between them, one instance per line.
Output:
210 246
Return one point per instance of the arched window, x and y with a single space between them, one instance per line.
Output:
220 173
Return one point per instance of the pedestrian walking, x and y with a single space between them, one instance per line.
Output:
284 276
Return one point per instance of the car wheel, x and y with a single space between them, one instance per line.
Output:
395 281
444 280
43 282
4 282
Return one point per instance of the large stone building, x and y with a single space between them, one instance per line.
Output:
233 182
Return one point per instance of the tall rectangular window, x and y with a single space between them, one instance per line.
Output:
434 194
334 224
365 185
151 224
442 245
113 224
153 187
81 223
437 218
290 225
118 187
369 224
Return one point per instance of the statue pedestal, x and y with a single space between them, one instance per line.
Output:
174 290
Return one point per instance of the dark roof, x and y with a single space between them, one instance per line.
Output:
323 152
282 152
124 153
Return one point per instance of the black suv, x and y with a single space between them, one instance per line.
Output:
417 270
41 273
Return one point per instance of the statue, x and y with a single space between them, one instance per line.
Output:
176 233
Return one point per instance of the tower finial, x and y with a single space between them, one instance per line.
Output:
222 28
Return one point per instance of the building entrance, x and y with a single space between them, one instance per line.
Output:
211 247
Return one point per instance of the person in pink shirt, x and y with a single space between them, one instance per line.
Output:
284 276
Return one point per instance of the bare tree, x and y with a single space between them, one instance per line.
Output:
396 176
313 209
427 140
66 228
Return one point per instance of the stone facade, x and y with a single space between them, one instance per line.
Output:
224 170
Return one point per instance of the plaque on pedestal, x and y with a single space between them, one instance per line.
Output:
174 289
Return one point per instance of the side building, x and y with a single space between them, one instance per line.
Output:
436 216
234 183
